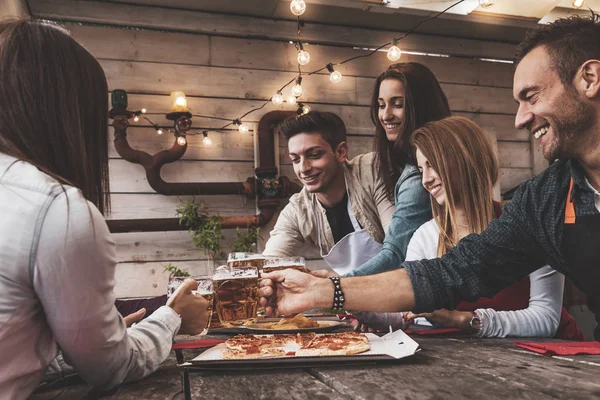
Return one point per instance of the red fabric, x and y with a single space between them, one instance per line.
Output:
567 328
561 348
514 297
433 332
197 344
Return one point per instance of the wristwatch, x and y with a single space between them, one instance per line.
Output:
475 323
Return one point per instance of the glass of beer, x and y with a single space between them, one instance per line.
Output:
205 289
252 260
236 295
278 263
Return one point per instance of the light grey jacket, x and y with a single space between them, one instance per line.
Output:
57 273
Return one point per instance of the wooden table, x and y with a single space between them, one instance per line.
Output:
446 367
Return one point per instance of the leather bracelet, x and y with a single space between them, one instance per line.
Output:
338 294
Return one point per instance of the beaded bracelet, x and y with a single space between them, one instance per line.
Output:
338 294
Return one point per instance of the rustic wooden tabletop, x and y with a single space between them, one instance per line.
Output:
457 367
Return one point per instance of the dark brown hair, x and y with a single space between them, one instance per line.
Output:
424 101
327 124
569 41
54 106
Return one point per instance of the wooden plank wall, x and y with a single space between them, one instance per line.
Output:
228 65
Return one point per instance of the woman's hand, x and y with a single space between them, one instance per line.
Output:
134 317
446 318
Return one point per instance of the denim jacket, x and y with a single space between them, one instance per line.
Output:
413 209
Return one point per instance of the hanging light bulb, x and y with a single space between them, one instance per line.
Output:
136 118
181 141
487 3
159 131
291 100
297 7
144 111
297 89
578 3
303 56
243 128
277 99
305 109
178 102
394 53
334 76
206 140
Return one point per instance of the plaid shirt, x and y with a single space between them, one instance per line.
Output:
528 235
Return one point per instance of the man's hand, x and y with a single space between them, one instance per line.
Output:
323 273
290 291
134 317
192 308
446 318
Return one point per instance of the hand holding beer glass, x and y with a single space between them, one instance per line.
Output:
192 299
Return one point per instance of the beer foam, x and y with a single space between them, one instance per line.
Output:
236 273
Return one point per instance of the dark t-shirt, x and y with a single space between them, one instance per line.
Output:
338 219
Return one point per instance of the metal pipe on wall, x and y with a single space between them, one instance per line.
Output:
266 185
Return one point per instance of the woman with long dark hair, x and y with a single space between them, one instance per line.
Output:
57 258
405 97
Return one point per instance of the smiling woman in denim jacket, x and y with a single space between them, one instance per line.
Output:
406 96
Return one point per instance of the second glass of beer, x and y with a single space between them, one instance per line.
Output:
236 295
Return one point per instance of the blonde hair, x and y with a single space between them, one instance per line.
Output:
466 163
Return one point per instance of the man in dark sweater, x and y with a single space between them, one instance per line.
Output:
553 218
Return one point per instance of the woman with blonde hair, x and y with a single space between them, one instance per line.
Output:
459 168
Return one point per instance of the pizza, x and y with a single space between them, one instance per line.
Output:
301 344
300 321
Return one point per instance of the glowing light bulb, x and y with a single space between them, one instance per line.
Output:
277 99
394 53
486 3
297 7
292 100
181 141
297 90
178 102
144 111
206 140
578 3
335 76
136 118
305 109
160 131
303 57
243 128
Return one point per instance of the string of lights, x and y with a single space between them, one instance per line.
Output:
297 7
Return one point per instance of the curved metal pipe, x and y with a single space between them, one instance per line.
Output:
273 188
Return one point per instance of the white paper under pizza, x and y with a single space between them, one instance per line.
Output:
395 344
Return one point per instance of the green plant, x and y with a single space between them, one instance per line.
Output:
245 240
175 271
204 229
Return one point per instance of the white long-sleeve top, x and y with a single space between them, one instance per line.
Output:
57 268
540 319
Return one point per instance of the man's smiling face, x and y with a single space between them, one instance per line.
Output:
556 115
315 162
